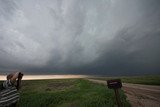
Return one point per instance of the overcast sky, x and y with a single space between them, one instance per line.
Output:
112 37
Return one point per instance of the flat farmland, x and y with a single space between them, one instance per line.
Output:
141 91
67 93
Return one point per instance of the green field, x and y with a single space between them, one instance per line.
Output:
75 92
67 93
147 80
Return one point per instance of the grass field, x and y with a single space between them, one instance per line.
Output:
67 93
148 80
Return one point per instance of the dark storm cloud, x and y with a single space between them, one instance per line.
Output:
80 36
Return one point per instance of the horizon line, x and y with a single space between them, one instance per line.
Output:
38 77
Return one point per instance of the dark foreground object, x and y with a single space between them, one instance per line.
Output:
115 84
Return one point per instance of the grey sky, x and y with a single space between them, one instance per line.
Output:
114 37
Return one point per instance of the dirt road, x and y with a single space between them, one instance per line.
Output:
139 95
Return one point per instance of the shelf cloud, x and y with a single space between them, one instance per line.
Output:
109 37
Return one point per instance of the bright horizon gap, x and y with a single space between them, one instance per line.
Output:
37 77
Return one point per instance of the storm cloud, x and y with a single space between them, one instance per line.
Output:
112 37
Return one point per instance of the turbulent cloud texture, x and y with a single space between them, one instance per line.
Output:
115 37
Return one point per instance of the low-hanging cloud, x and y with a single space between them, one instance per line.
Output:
80 36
